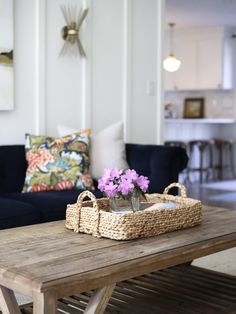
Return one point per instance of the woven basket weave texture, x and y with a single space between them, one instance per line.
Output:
93 217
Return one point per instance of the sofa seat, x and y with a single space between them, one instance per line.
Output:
50 205
159 163
16 213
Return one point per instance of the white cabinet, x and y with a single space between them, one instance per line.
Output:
185 78
206 61
210 56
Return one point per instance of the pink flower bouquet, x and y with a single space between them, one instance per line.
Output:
117 183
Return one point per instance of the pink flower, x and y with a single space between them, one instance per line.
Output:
112 173
131 174
111 189
143 183
106 175
108 182
125 186
102 184
115 173
117 182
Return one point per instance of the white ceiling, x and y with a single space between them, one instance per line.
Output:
191 13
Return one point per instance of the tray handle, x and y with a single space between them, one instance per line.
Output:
181 187
79 203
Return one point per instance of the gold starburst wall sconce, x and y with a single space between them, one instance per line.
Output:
70 32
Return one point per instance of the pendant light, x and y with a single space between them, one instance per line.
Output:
171 63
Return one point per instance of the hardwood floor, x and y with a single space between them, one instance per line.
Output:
195 190
223 261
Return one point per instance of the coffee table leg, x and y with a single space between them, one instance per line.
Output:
99 300
8 303
45 303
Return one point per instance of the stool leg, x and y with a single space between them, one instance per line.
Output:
189 153
210 169
188 172
214 162
220 173
201 164
231 152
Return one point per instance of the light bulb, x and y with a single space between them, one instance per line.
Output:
171 63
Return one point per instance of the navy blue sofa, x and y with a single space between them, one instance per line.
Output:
161 164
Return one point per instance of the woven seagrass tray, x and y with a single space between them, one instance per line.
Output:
93 217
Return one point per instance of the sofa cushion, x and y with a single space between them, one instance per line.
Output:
51 204
12 168
15 213
58 163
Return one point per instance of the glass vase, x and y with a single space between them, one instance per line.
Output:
114 203
135 201
118 204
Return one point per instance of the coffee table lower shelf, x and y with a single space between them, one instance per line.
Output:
180 289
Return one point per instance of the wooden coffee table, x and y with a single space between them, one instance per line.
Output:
48 262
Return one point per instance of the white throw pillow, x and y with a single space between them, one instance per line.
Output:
64 130
107 148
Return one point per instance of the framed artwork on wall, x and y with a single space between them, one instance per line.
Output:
194 108
6 55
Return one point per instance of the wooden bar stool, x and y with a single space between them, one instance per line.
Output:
204 163
225 152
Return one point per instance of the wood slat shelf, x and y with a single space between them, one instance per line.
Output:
180 289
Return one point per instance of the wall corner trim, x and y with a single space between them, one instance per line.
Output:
40 67
127 53
86 95
160 72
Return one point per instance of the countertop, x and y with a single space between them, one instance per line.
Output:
204 120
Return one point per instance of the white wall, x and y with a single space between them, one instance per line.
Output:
63 74
120 38
13 124
6 25
143 72
6 45
107 62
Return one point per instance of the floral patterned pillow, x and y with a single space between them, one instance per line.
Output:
58 163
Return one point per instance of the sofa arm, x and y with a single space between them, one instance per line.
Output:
161 164
12 168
